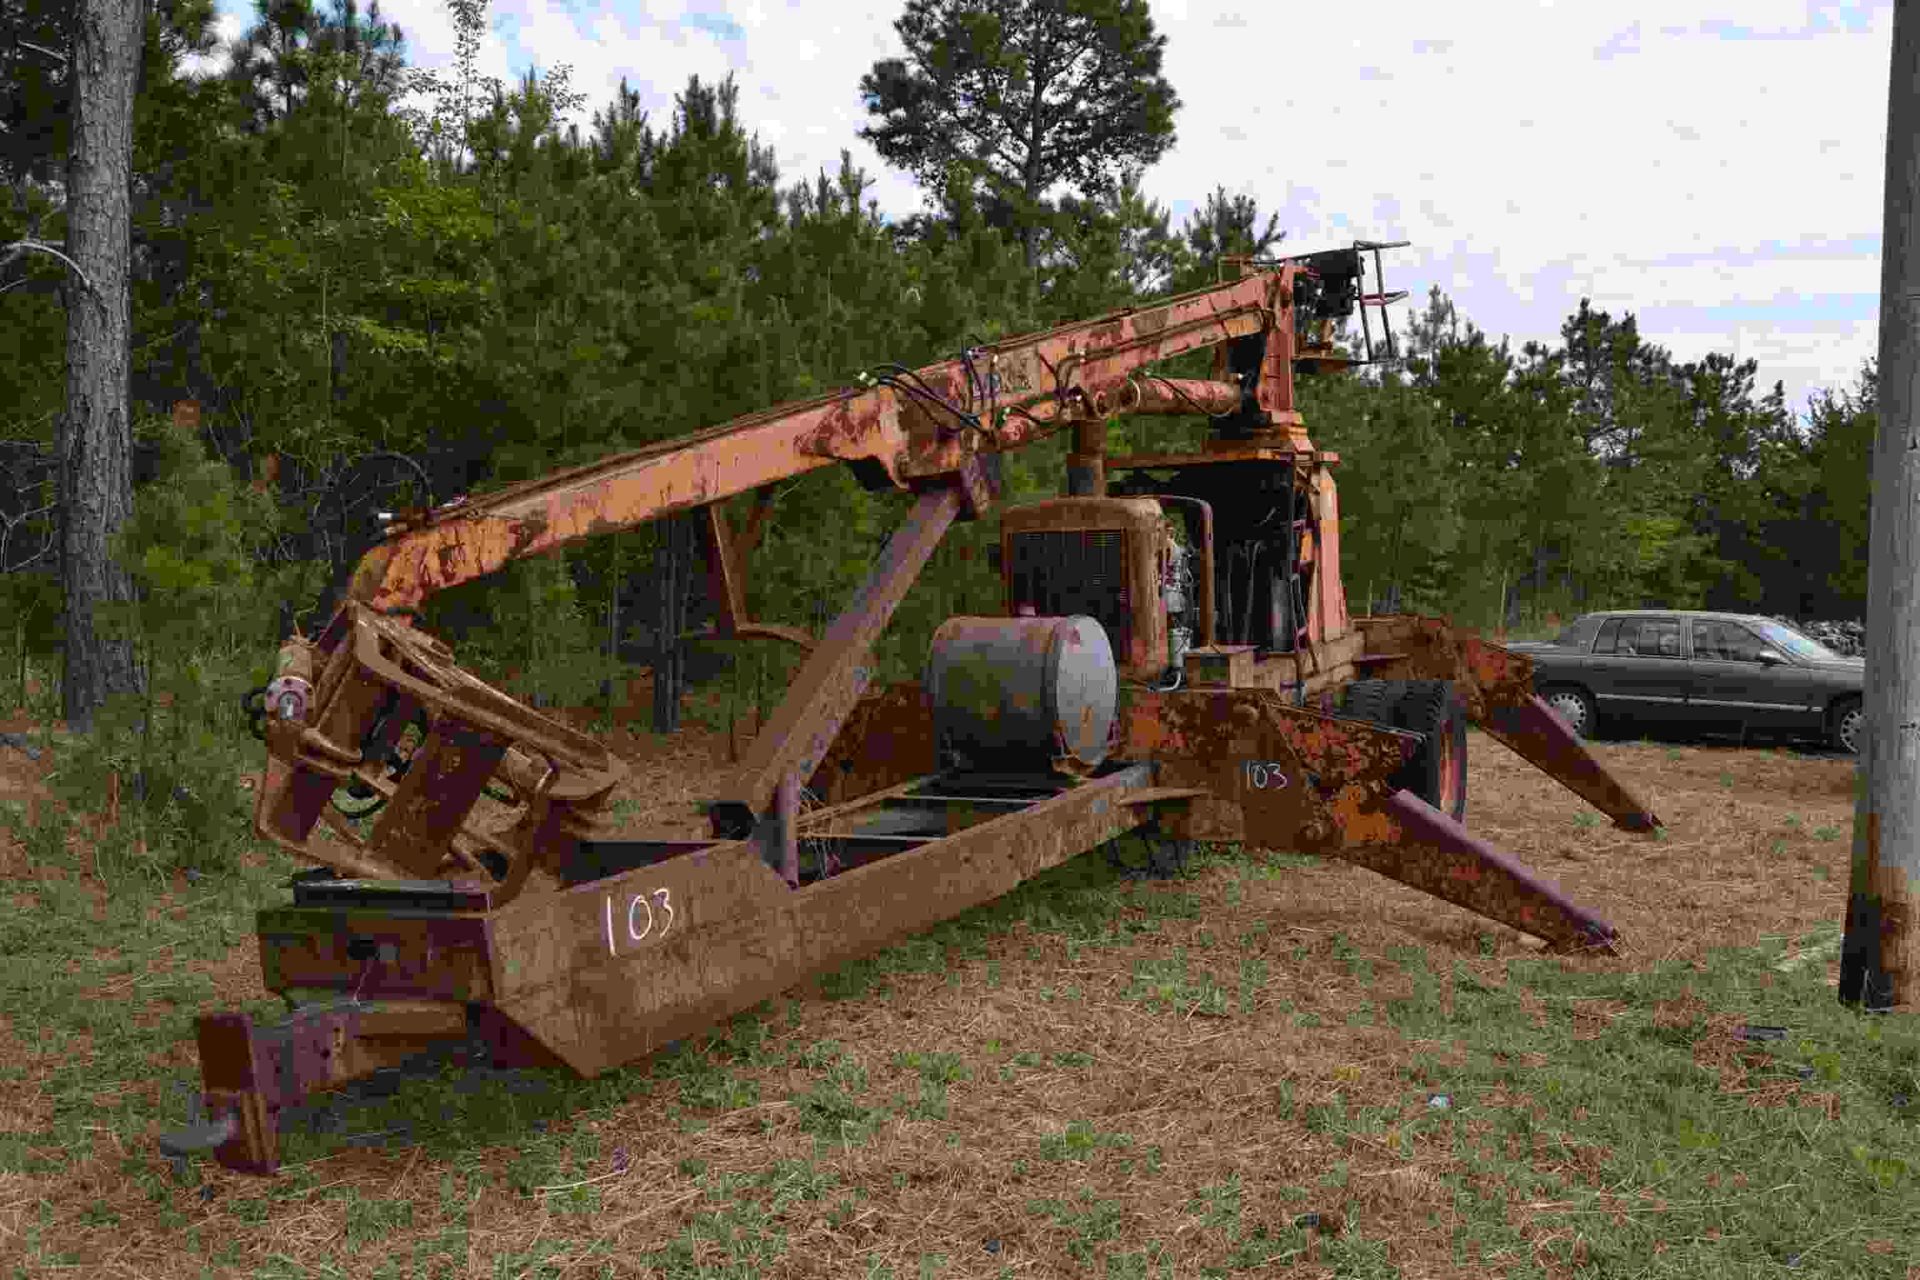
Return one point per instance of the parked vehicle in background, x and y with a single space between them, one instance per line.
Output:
1692 669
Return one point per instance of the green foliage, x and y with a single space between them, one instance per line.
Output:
1015 98
199 632
330 273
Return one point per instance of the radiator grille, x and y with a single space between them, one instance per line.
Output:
1074 571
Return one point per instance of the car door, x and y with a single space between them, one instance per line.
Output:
1644 676
1732 685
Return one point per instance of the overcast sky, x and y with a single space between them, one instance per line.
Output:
1714 168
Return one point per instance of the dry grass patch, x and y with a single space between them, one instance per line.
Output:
1268 1065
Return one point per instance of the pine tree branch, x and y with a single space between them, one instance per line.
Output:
11 251
55 54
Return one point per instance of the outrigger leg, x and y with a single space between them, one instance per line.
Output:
1497 686
1282 777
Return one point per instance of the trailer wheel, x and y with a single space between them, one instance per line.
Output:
1431 708
1160 856
1438 772
1370 700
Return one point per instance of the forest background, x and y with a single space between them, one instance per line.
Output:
376 287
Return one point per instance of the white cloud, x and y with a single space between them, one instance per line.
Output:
1651 156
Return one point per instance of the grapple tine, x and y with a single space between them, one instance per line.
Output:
1532 731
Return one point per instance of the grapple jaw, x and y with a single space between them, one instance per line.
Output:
372 678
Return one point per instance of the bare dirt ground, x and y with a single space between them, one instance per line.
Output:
1113 1116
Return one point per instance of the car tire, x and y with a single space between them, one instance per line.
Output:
1575 706
1844 725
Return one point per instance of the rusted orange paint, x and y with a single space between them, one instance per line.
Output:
1337 799
1141 650
1153 394
1497 687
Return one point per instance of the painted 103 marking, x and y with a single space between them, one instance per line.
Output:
648 906
1263 775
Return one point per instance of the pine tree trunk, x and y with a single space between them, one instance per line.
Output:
672 571
95 436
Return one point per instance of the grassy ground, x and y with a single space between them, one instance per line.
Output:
1270 1065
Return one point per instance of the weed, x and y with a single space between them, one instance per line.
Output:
941 1068
1079 1141
1356 964
831 1110
1826 834
1167 984
1586 819
1218 1205
1653 1107
704 1084
1151 1263
739 1235
369 1220
1091 1221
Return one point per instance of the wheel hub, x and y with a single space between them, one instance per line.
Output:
1450 775
1572 710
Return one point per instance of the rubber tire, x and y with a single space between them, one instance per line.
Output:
1590 713
1371 700
1841 710
1434 709
1431 708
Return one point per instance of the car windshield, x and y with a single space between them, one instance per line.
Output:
1796 644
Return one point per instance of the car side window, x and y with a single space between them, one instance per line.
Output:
1609 634
1651 638
1727 642
1743 644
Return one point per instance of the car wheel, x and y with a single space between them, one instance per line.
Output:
1575 707
1849 721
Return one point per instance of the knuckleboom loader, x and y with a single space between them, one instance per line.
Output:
1175 660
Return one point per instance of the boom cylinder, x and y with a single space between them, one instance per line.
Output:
1087 464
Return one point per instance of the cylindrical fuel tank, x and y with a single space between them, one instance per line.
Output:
1019 694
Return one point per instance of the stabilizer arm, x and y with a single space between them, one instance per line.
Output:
1280 777
1497 685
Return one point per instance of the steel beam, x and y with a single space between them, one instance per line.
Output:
835 673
